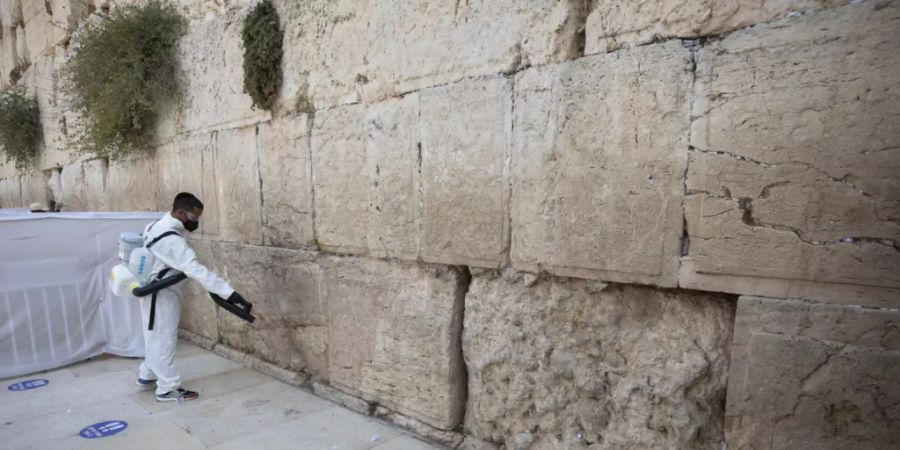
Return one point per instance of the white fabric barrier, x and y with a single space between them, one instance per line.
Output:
56 307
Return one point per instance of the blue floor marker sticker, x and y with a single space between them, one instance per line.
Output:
103 429
26 385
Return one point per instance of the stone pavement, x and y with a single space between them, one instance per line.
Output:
238 408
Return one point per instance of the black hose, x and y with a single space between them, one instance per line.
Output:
157 285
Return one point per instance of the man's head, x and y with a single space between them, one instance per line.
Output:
188 210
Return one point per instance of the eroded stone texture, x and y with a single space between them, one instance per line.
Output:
198 311
600 149
366 179
130 185
285 173
345 51
810 375
613 24
394 335
283 286
179 168
797 154
339 179
237 185
36 188
211 57
48 23
563 363
391 130
465 139
10 192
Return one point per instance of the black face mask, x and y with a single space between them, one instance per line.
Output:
191 225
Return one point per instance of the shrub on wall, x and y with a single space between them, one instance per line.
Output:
20 126
123 75
262 36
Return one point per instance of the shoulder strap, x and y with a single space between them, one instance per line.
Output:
156 239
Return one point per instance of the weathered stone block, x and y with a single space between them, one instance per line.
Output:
339 179
237 185
211 58
465 187
813 376
11 192
130 185
340 52
285 173
199 314
41 34
283 286
564 363
392 172
179 168
36 188
794 176
613 24
600 150
394 336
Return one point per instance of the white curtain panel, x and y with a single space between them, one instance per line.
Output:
56 307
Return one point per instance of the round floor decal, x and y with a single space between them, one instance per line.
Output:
29 384
103 429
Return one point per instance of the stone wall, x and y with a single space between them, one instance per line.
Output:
526 223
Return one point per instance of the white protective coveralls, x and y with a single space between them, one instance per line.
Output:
159 344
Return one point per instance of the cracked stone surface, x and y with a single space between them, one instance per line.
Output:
465 171
613 24
211 56
600 149
793 173
811 375
285 174
564 363
345 51
283 285
237 185
394 335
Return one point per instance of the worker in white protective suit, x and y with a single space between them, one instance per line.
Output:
165 239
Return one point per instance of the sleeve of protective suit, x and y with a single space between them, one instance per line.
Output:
175 253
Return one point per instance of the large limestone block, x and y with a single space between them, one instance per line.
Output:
41 34
199 314
283 286
42 79
810 375
394 335
392 168
211 57
365 171
465 138
130 185
564 363
600 149
465 39
285 173
339 179
613 24
36 188
237 196
11 192
339 52
794 177
179 168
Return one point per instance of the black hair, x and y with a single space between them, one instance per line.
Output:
187 202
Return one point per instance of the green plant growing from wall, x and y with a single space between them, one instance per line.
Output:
123 75
262 36
20 126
